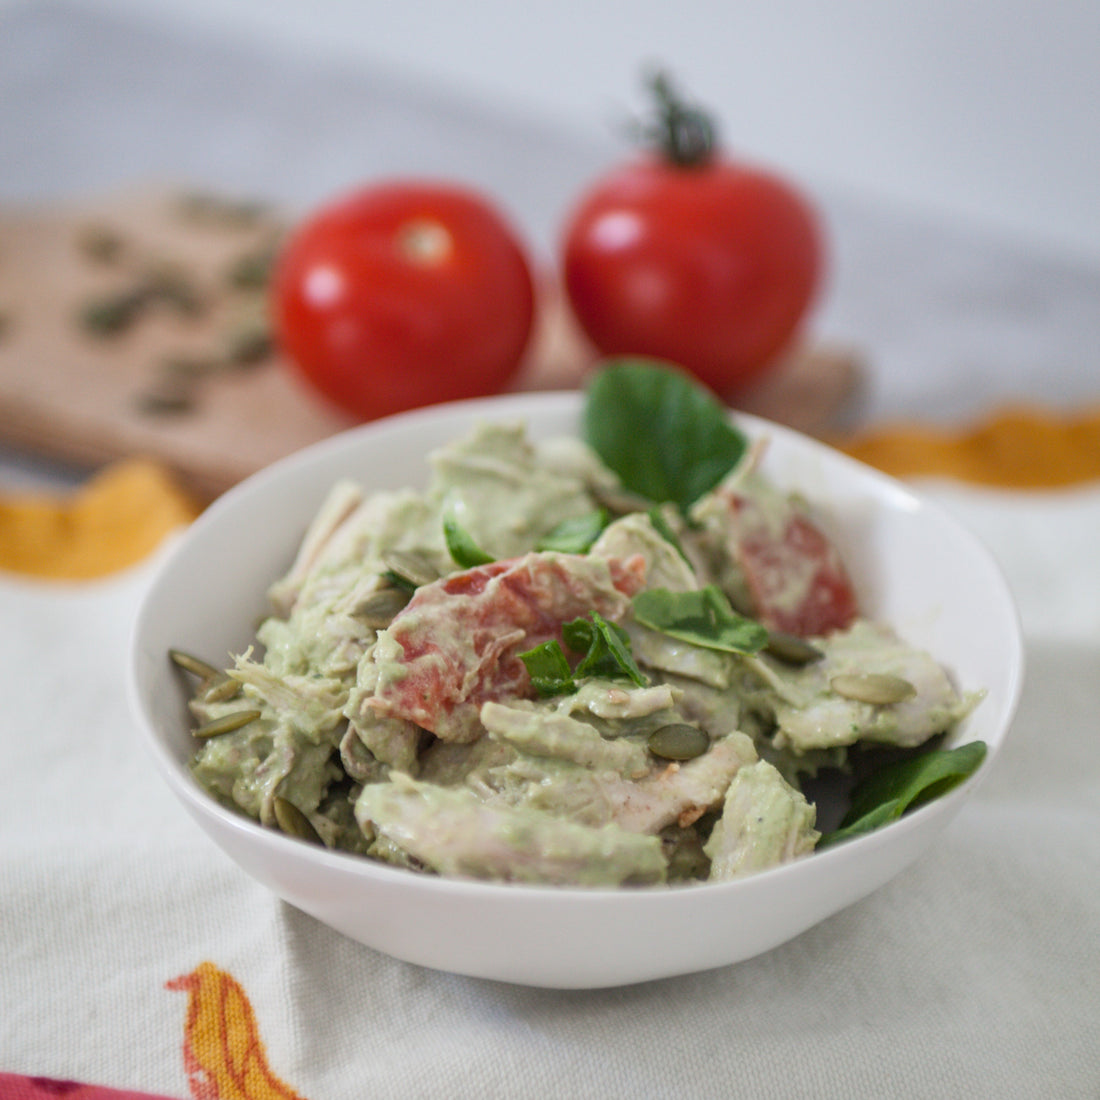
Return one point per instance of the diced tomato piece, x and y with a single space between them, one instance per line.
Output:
795 576
460 637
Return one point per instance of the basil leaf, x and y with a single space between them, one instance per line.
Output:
460 544
549 669
576 535
608 649
666 436
887 794
660 525
703 617
881 815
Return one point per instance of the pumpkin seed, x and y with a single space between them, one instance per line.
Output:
248 340
220 689
195 665
167 282
414 568
167 397
678 741
618 500
790 649
100 243
293 821
220 211
114 313
190 366
379 608
252 270
227 723
876 688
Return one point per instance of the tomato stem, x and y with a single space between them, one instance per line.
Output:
684 133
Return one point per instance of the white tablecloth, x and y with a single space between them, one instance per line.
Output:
973 973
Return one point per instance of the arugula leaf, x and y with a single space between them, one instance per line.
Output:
887 794
460 544
606 648
703 617
549 669
576 535
666 436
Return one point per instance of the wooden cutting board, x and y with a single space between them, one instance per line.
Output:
186 380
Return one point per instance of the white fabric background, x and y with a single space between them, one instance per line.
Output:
973 973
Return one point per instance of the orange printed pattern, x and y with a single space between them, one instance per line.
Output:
222 1052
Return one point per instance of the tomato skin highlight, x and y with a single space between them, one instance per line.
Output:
403 294
712 266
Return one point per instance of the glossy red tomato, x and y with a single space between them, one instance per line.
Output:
404 294
689 257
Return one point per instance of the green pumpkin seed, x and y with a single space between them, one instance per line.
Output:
618 500
293 821
168 396
195 665
414 568
227 723
678 741
247 341
220 689
113 313
379 608
100 243
790 649
876 688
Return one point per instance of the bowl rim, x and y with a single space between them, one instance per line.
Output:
200 804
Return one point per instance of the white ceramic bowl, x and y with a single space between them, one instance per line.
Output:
915 568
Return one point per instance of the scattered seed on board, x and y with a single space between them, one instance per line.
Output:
114 313
100 243
168 396
790 649
293 821
876 688
219 210
678 741
227 723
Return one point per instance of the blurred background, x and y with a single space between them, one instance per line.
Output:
952 146
985 110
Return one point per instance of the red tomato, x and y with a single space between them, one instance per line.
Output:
460 637
795 576
691 258
404 294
